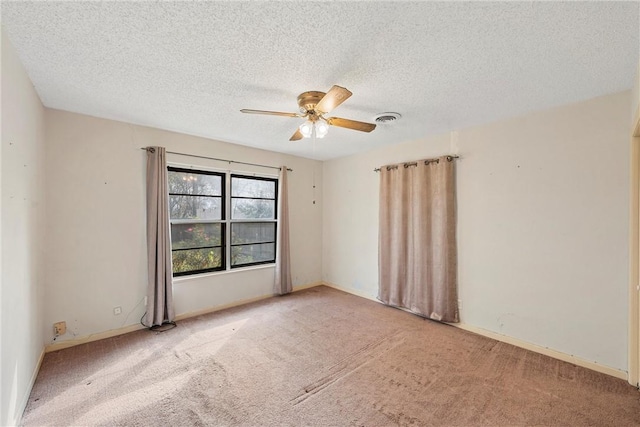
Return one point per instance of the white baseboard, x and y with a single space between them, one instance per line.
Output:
239 302
136 327
93 337
489 334
594 366
25 398
307 286
351 291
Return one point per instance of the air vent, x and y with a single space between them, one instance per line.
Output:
387 118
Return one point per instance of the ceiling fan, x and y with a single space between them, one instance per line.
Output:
313 106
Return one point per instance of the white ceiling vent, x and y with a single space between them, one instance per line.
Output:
386 118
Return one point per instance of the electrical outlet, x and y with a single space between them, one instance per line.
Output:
117 311
59 328
145 301
459 304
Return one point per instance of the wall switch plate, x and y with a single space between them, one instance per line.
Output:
117 311
59 328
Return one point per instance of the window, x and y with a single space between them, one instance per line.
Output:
196 212
253 220
215 225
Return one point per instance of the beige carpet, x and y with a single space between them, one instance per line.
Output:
319 357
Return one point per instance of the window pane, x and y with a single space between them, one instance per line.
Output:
249 254
253 232
195 183
247 187
194 207
196 259
252 209
184 236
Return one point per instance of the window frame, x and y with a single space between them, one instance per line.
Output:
273 220
226 222
222 221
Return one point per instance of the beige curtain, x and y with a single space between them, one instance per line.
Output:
283 284
159 289
417 240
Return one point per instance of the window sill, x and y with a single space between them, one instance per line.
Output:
218 273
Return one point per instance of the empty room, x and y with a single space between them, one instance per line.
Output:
351 213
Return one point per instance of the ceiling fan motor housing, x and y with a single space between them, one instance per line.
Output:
308 100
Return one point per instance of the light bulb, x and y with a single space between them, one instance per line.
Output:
321 129
306 128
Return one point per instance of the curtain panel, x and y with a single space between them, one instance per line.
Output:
283 284
159 288
417 256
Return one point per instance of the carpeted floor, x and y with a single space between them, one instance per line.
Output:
319 357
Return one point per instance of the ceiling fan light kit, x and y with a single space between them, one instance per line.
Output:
306 129
320 127
313 105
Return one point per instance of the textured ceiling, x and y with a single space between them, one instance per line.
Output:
190 67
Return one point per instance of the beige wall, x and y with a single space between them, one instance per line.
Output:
542 225
96 247
21 236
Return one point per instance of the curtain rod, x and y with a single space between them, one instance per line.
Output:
426 162
221 160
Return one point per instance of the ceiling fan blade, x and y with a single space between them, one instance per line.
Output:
336 96
351 124
271 113
296 136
